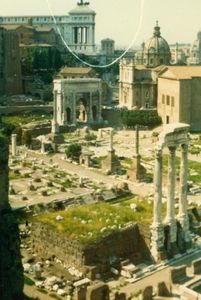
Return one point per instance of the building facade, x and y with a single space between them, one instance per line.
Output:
10 73
179 95
195 51
77 98
138 82
77 28
107 47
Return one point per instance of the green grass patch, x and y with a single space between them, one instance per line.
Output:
28 281
25 119
97 161
14 176
91 222
42 291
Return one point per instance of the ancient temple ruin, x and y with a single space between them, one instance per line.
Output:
171 235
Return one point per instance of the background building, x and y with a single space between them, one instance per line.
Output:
195 51
107 47
77 28
10 68
138 82
179 95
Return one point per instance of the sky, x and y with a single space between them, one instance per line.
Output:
179 20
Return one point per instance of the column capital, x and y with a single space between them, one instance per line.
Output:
184 147
158 153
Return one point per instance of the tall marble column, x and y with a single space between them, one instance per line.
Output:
74 119
170 217
158 187
99 106
14 144
90 115
183 213
111 141
157 230
55 125
137 140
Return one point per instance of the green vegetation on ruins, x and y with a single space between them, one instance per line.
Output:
92 222
20 120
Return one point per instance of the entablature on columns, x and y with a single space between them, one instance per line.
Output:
174 135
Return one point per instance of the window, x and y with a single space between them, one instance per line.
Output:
163 99
151 61
167 101
172 101
161 61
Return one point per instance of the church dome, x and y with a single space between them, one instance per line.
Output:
158 48
157 43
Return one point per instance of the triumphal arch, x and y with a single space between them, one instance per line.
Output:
76 100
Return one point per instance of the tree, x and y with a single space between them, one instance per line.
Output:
74 151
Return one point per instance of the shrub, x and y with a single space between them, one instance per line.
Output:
74 151
28 281
90 137
131 118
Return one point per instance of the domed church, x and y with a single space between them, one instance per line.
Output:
156 50
138 77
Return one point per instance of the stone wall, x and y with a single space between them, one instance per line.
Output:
126 243
11 271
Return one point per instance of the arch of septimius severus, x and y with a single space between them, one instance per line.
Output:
174 137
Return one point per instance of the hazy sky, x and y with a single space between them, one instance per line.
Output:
179 19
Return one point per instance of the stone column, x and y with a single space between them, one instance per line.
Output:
90 116
157 230
183 213
170 217
14 144
111 140
55 126
137 140
74 120
158 187
99 107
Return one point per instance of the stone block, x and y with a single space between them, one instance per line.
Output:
178 274
162 290
147 293
99 291
196 266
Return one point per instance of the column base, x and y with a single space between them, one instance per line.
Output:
55 127
157 243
